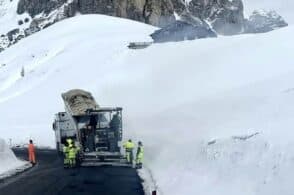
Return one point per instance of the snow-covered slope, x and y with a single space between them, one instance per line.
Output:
8 161
78 53
177 97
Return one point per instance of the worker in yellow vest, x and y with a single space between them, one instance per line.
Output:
66 148
139 155
72 155
129 147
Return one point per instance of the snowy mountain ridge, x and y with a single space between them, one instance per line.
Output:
21 18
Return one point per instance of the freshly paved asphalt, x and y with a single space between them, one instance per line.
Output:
49 177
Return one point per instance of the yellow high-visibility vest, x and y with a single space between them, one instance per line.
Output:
65 149
72 153
141 152
129 145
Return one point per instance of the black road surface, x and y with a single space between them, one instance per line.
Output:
49 177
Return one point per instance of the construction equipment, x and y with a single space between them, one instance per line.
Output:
97 131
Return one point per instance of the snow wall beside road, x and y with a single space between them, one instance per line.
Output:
8 160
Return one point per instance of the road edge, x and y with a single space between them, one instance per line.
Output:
14 172
148 182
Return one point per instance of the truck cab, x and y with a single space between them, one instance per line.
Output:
64 129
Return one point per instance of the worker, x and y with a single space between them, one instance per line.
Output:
65 155
115 122
66 148
139 155
72 155
129 146
32 155
69 141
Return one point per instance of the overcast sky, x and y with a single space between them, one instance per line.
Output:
283 7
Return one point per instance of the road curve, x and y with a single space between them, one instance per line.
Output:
49 177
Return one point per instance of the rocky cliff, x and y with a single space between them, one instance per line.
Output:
225 17
154 12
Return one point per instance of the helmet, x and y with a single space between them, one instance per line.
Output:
69 141
140 143
130 140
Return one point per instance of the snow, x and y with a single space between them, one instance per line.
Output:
9 17
192 103
101 41
8 161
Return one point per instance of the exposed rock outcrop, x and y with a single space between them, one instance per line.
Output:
179 6
96 6
35 7
130 9
12 33
225 16
262 21
183 30
159 12
155 12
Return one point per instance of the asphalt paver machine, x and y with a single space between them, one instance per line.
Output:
96 130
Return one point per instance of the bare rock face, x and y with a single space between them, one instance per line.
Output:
182 30
35 7
188 27
96 6
159 12
154 12
132 9
262 21
225 16
179 6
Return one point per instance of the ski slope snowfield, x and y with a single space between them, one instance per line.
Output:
194 104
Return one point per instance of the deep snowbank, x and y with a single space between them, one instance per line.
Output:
176 97
8 161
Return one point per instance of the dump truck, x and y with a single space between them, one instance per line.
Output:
96 130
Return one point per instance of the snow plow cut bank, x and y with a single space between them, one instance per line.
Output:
94 130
